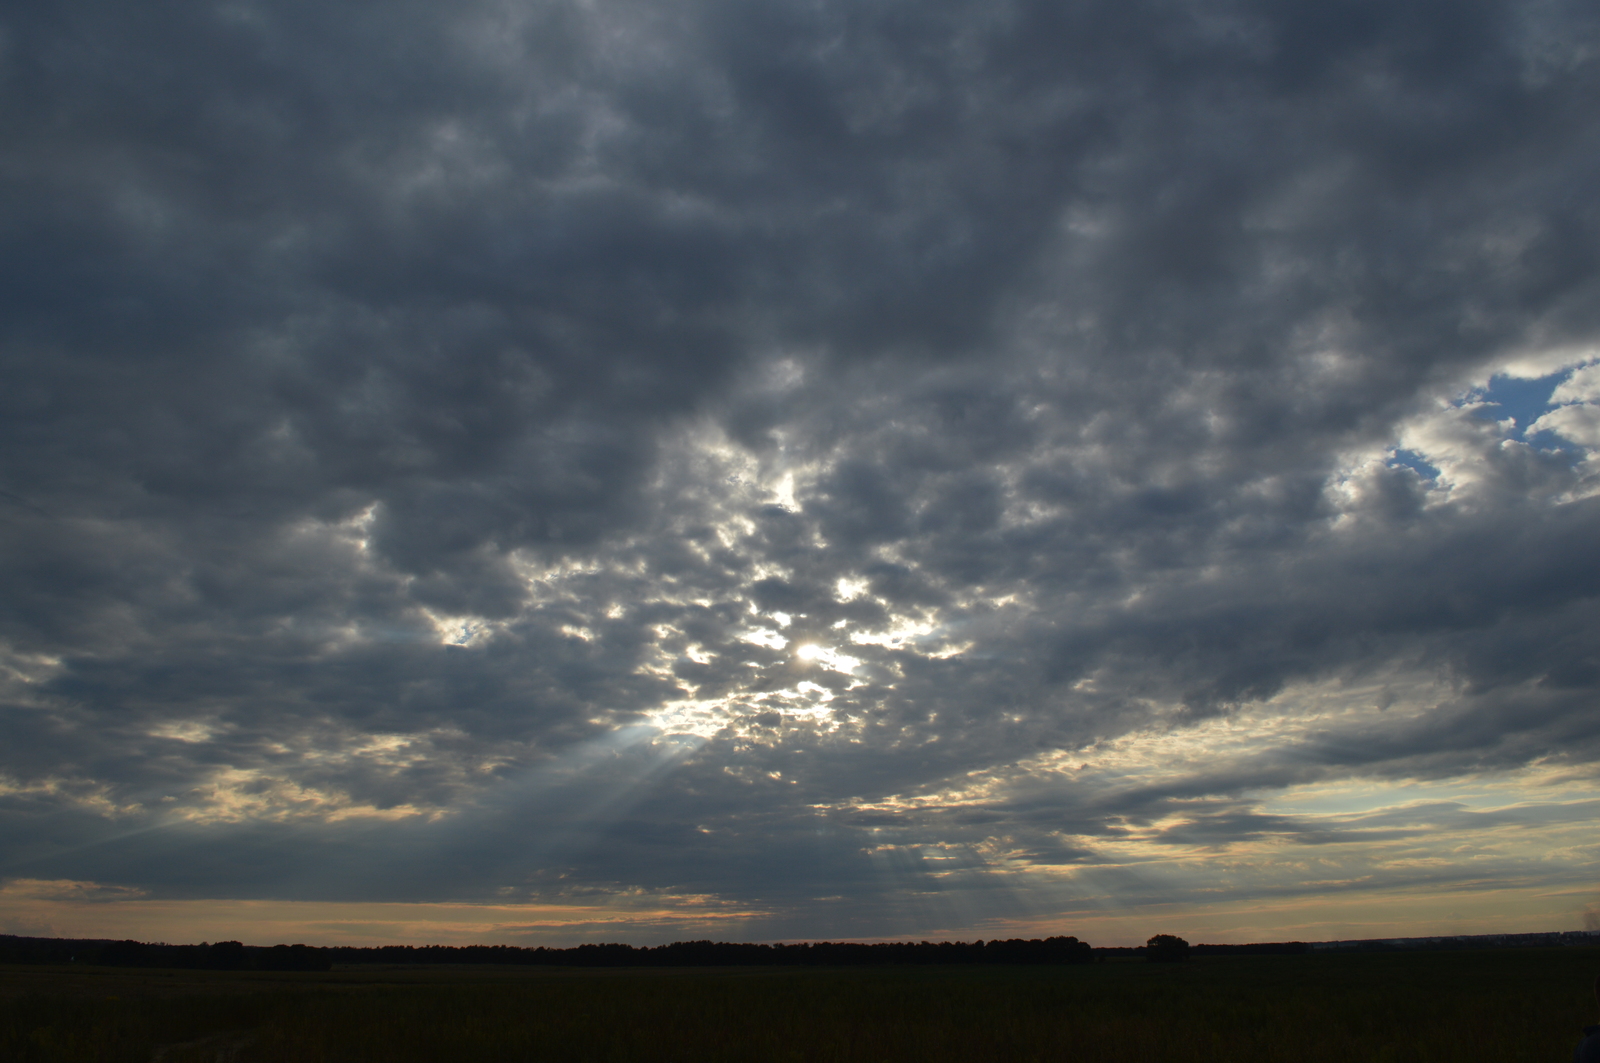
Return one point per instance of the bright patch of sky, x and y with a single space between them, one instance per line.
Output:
1525 402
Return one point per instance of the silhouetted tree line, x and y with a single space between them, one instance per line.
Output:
736 954
1168 953
1550 939
218 956
231 955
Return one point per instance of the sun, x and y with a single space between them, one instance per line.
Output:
829 658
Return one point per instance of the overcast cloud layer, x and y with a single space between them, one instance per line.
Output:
801 469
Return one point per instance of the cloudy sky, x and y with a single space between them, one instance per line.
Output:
539 471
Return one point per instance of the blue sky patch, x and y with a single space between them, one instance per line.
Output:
1521 399
1412 460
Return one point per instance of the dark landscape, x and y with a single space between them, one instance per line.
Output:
1394 1005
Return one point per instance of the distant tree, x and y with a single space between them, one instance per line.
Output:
1166 948
227 956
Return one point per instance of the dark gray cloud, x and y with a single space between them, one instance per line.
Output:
935 458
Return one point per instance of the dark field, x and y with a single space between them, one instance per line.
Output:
1510 1005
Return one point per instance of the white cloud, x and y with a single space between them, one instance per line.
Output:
1582 386
1579 423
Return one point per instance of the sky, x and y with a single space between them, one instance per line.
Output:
545 471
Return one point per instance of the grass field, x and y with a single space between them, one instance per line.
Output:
1510 1006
